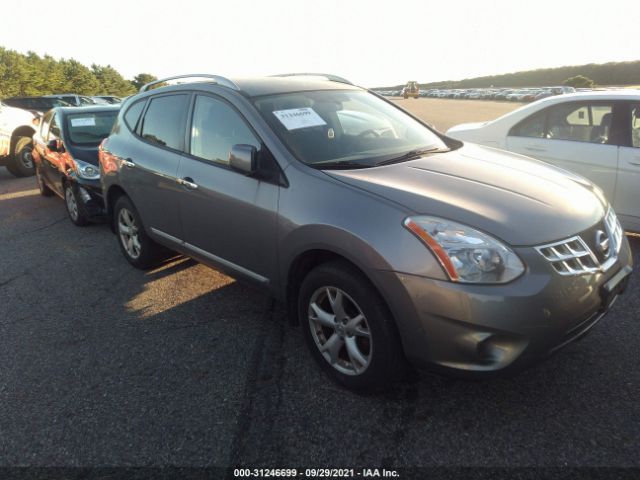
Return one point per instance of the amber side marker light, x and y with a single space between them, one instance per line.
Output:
434 246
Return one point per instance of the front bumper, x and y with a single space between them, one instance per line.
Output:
89 194
482 329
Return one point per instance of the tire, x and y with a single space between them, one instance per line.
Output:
367 355
22 164
136 246
45 191
75 209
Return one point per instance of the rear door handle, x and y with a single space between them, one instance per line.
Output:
635 164
188 182
535 149
127 162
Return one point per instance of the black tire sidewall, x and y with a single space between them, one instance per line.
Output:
149 249
15 166
83 218
45 191
387 362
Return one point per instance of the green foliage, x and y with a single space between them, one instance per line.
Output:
31 74
579 81
142 79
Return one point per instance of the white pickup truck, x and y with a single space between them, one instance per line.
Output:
16 131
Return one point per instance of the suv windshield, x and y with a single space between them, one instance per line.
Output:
330 128
90 128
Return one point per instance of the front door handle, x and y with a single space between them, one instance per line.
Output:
188 182
127 162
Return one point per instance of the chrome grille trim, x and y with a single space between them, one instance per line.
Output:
573 256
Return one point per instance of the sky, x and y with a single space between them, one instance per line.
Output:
370 43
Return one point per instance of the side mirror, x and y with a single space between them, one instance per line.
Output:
243 158
55 145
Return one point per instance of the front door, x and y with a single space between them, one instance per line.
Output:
227 217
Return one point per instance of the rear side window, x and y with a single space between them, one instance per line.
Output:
580 123
216 127
132 114
530 127
164 120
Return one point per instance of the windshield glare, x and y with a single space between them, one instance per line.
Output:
340 126
90 128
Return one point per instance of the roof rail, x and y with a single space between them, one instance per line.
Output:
225 82
328 76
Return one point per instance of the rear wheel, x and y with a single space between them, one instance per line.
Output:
22 163
137 247
45 191
349 328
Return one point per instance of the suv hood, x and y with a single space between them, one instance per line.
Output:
512 197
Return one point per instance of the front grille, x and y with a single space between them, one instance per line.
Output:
594 250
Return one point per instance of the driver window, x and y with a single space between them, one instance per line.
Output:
216 127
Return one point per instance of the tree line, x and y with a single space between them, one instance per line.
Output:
612 73
30 74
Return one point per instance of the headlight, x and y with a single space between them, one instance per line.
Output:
86 170
466 254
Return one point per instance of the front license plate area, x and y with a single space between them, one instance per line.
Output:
614 287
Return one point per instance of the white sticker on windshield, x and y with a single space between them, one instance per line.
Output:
295 118
83 122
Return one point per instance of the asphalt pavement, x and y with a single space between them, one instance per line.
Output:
104 365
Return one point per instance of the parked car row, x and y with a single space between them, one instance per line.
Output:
509 94
388 241
19 120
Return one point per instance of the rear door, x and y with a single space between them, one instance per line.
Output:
575 136
228 217
627 199
150 165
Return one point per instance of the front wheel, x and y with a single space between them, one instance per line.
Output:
22 163
349 328
75 209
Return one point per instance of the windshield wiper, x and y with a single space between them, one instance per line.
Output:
338 165
411 155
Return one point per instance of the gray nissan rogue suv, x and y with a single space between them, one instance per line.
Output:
387 240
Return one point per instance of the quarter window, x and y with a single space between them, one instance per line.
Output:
163 123
216 127
44 129
635 125
54 131
530 127
133 114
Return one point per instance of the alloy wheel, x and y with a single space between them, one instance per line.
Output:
128 232
72 204
26 158
340 330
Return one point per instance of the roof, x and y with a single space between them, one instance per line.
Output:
88 109
622 94
258 86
